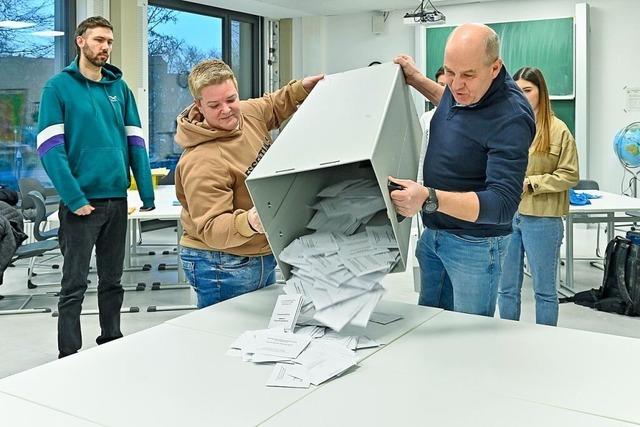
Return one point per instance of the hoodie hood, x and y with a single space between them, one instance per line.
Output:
194 130
110 73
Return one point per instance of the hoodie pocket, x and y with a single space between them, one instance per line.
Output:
103 170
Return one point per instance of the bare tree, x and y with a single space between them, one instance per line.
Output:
159 43
179 56
20 42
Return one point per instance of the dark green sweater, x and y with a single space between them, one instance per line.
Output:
89 137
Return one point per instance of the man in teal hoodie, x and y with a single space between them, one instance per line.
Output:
89 138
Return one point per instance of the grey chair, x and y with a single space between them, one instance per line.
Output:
39 219
50 196
30 251
587 184
37 200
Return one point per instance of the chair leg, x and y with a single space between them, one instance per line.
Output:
22 309
30 284
598 242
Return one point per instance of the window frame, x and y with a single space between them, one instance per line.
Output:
227 16
67 19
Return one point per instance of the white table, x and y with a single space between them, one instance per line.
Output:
377 395
564 368
16 412
163 376
610 209
448 369
166 209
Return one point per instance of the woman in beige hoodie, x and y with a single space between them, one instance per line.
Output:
537 226
224 252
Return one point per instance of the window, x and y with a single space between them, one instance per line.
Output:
243 61
181 34
34 45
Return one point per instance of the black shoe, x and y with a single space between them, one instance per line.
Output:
103 340
61 355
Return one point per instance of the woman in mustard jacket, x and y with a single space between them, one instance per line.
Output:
537 226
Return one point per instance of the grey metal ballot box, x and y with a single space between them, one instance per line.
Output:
356 124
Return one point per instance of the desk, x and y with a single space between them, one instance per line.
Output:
376 395
202 386
16 412
605 209
163 376
558 367
450 369
165 195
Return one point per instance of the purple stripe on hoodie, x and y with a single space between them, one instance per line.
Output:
50 143
135 141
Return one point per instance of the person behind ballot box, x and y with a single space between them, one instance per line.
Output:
473 172
537 226
224 251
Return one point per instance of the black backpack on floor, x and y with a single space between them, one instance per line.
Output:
620 290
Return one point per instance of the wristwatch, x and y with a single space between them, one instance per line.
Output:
431 204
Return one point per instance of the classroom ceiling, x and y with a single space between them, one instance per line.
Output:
296 8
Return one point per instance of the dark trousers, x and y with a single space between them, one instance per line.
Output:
105 228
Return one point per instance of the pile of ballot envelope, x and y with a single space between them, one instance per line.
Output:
308 356
304 353
339 273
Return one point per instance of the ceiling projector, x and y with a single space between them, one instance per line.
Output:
422 16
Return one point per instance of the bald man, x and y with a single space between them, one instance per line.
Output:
473 172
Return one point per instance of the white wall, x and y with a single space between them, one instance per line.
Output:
338 43
333 44
614 64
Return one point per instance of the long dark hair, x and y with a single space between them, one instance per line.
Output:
545 113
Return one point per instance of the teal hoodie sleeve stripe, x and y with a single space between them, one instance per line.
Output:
138 157
51 149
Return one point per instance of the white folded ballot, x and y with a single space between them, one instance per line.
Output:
286 312
338 271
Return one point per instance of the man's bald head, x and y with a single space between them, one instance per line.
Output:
471 62
477 37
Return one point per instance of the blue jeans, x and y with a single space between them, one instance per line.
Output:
218 276
460 273
540 239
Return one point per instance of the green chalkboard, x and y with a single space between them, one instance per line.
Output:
565 110
546 44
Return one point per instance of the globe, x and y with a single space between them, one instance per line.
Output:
626 144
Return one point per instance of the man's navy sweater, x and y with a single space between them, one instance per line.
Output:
484 148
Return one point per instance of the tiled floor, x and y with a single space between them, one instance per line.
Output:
29 340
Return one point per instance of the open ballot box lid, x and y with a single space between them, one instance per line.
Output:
356 124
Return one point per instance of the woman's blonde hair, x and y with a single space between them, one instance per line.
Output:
209 72
544 115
